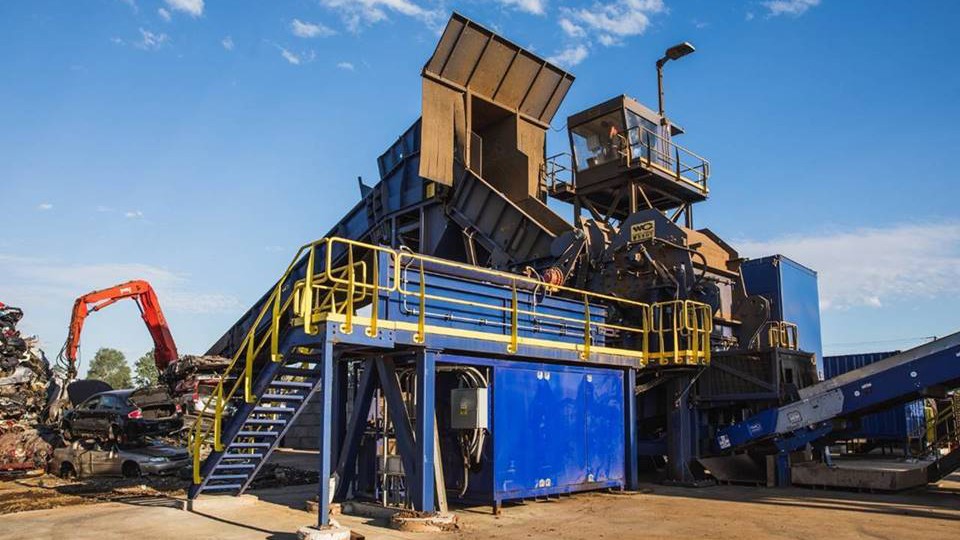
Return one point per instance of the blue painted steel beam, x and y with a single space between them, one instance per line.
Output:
346 464
406 443
326 428
630 429
423 495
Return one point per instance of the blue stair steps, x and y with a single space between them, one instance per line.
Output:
255 429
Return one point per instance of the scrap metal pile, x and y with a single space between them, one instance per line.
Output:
24 376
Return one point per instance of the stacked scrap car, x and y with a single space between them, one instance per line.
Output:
24 377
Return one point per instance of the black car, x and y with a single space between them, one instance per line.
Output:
122 415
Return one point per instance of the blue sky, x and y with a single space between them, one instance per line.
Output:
198 144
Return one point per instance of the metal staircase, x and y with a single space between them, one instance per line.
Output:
255 429
274 371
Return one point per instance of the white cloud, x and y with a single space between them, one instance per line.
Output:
296 58
572 29
310 30
346 66
535 7
227 43
570 56
194 8
150 41
606 23
45 206
794 8
613 21
290 57
104 209
43 281
359 13
871 267
164 14
133 214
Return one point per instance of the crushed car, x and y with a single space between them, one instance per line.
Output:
192 380
123 416
87 459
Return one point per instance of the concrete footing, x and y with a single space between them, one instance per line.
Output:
403 520
331 532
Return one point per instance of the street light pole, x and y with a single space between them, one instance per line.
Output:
673 53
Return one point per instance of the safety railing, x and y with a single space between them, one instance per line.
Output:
681 332
940 431
778 335
784 335
556 171
342 276
639 145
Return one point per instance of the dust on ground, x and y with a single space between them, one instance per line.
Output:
44 491
38 491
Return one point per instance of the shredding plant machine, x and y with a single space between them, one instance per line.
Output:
464 341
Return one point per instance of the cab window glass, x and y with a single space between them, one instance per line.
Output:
110 402
598 141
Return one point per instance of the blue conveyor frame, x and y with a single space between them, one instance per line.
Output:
900 378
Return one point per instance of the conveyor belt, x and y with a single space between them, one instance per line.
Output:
900 378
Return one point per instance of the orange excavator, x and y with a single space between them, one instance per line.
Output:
165 350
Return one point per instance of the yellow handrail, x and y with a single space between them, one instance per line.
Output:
780 334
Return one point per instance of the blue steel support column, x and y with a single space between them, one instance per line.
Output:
630 430
347 457
680 431
326 428
339 408
426 390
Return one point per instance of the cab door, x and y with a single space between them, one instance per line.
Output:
105 461
83 418
106 414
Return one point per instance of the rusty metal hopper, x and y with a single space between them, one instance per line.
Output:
473 59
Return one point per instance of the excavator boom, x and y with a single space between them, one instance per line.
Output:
165 350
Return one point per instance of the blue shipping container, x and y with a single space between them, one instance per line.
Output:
556 429
894 424
792 291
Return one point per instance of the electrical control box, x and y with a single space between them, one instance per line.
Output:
468 408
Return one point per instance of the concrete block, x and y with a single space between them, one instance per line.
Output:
331 532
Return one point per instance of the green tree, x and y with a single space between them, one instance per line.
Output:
111 367
145 371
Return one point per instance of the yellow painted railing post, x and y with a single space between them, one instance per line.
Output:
585 355
347 327
514 320
248 368
375 304
196 459
306 299
275 326
217 420
420 337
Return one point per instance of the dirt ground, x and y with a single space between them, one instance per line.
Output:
40 491
658 512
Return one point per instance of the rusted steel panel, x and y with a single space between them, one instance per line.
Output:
473 58
443 132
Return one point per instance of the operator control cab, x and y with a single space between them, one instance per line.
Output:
624 159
